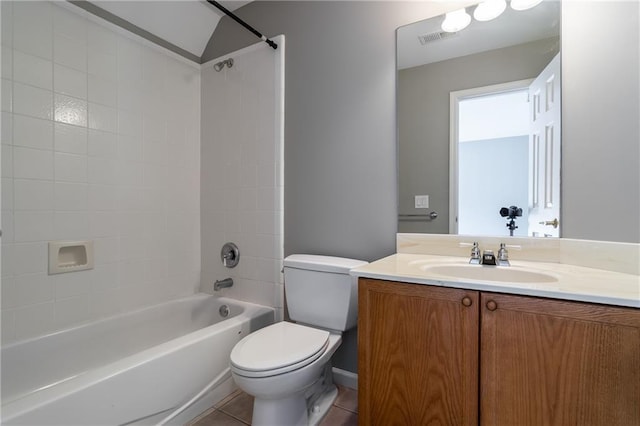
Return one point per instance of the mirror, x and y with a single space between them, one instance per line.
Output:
479 125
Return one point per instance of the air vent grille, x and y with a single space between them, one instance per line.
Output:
431 37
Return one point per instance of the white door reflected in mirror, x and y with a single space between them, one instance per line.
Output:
505 150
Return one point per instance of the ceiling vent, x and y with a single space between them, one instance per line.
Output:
431 37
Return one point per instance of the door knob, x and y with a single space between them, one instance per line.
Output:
491 305
466 301
555 222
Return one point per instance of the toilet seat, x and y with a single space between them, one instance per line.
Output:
278 349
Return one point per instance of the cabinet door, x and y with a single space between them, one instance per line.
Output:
549 362
417 354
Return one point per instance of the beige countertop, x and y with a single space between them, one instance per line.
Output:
570 282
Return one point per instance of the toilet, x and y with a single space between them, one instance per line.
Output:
286 366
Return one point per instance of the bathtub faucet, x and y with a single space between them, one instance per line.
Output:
220 284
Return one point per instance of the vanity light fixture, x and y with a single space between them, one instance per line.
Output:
524 4
489 9
456 21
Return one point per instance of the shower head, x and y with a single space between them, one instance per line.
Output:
220 65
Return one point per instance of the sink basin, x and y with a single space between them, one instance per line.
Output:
489 273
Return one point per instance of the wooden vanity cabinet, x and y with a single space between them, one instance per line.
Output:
436 355
553 362
417 354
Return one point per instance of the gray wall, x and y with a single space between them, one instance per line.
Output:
600 121
340 128
423 119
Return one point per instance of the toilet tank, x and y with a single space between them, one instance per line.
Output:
320 292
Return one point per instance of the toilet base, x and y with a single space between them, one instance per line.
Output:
322 406
293 411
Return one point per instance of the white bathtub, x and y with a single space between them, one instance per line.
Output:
134 368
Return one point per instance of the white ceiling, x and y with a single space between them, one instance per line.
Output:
187 24
509 29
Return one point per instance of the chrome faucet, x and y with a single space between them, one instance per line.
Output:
475 254
487 257
503 256
220 284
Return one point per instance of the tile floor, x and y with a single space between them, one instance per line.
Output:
237 408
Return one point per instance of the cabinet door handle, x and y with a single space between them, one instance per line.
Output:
491 305
466 301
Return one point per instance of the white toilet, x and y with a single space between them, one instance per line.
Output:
286 366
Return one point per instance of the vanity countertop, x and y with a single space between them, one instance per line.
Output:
573 282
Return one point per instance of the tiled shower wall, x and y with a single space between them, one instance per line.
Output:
100 141
241 183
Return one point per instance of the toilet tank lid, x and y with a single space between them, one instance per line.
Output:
322 263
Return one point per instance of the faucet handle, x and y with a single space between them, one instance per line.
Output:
475 252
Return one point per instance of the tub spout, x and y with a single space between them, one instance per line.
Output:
220 284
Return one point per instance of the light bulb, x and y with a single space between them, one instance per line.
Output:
456 21
489 9
524 4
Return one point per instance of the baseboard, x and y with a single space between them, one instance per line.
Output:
345 378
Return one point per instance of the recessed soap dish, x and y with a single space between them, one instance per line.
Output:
70 256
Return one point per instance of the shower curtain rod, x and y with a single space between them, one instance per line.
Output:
241 22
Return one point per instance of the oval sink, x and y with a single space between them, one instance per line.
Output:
489 273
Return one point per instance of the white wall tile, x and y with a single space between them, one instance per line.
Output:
8 323
155 152
105 277
130 123
70 139
7 194
102 170
69 81
71 225
102 144
70 177
102 40
70 167
71 196
106 250
7 161
7 226
32 194
7 263
29 289
32 70
102 223
32 101
104 303
72 284
34 320
32 163
69 24
7 128
130 173
71 311
7 23
7 95
70 52
103 118
31 225
70 110
33 27
30 258
102 91
32 132
103 197
102 65
129 148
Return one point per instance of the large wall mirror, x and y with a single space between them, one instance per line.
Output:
479 123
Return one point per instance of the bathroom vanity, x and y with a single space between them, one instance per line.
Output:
559 345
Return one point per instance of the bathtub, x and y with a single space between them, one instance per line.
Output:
133 368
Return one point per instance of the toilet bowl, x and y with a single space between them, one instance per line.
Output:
287 366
